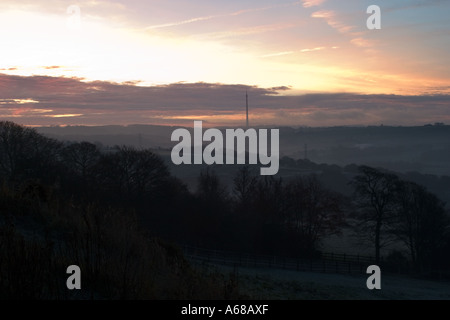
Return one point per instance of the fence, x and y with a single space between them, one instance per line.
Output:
327 263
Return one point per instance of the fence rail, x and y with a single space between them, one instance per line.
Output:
326 263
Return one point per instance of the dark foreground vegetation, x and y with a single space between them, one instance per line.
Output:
121 216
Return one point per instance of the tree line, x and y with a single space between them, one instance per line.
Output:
67 204
259 214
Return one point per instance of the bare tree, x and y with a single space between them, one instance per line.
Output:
43 159
133 173
244 185
421 223
376 199
210 188
315 211
270 200
81 157
14 147
25 152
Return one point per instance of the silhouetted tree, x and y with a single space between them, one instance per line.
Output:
376 198
270 200
43 161
15 148
210 188
26 154
210 211
133 174
314 211
244 186
268 213
421 224
81 158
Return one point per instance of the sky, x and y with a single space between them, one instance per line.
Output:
303 63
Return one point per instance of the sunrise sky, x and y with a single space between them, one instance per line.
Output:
309 62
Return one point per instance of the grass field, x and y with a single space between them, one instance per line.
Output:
276 284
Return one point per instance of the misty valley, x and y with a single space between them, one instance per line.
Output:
139 226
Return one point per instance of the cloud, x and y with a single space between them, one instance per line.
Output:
51 67
17 101
42 100
361 42
285 53
248 31
331 19
235 13
277 54
313 49
179 23
312 3
67 115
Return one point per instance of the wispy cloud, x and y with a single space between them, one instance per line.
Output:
179 23
285 53
236 13
277 54
361 42
312 3
313 49
332 20
17 101
247 31
51 67
67 115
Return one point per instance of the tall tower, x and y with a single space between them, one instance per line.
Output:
246 107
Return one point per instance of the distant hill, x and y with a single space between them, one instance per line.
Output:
424 149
